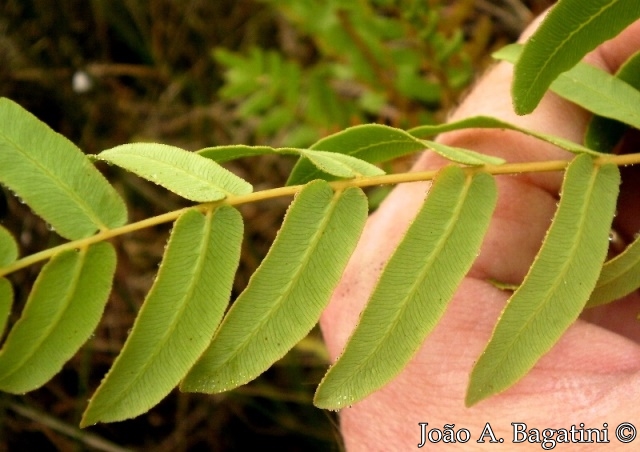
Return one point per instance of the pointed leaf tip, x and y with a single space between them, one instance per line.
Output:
619 277
488 122
461 155
341 165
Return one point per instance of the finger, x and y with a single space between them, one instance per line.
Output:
522 225
517 228
431 389
590 373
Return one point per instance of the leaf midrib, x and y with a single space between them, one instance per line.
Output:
555 51
440 245
122 394
86 208
356 153
159 163
558 280
347 172
616 100
292 282
66 300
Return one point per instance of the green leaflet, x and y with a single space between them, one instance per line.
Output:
339 165
591 88
604 133
6 299
185 173
288 292
488 122
8 254
375 143
8 248
461 155
415 287
619 277
569 31
223 154
178 317
52 175
559 282
62 311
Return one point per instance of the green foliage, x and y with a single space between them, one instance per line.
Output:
176 338
8 247
487 122
73 198
178 318
591 88
376 143
6 296
603 133
373 143
64 308
568 32
369 62
559 282
188 175
619 277
269 89
329 163
415 287
288 292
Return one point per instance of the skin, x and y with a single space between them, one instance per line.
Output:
591 376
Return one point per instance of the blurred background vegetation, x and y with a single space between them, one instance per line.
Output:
199 73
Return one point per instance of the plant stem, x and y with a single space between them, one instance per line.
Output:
390 179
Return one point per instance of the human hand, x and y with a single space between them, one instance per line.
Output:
592 376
